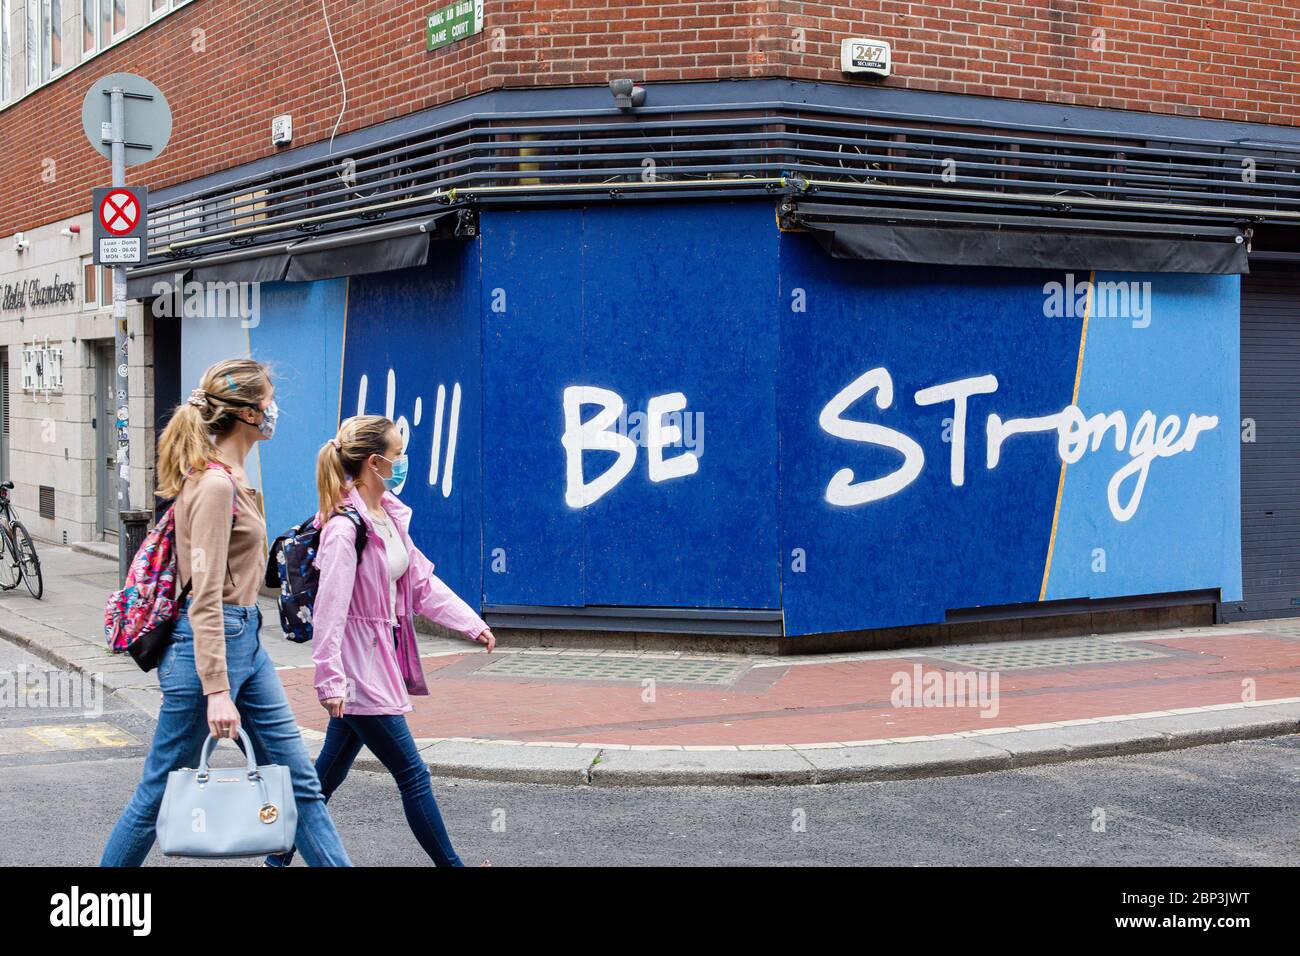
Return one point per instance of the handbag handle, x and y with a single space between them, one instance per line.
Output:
211 742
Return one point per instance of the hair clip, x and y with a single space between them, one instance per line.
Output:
231 382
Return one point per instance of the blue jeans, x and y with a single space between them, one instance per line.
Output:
182 728
389 739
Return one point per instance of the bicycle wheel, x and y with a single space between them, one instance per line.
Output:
10 570
28 560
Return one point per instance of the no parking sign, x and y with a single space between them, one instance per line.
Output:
118 223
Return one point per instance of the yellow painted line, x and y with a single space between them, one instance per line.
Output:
47 737
1074 400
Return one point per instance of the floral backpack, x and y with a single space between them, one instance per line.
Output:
138 619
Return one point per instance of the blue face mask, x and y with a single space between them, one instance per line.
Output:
394 482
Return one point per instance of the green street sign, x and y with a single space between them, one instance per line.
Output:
453 22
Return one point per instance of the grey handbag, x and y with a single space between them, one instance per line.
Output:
227 812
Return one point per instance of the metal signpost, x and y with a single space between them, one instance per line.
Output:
123 112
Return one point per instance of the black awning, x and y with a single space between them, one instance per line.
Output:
377 249
269 266
156 280
970 239
397 245
255 264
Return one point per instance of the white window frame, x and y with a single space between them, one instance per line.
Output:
31 44
6 48
52 24
73 51
89 51
115 35
167 6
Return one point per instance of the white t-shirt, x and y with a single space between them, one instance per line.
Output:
398 559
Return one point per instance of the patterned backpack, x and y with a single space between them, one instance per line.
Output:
138 619
291 567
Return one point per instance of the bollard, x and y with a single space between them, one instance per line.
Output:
135 525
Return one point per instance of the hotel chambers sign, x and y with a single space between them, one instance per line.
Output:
32 293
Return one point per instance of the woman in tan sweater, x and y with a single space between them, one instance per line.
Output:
215 674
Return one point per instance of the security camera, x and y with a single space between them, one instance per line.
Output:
20 244
627 95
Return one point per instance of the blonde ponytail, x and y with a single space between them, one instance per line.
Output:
340 459
185 445
331 480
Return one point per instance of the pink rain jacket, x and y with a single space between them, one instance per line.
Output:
353 647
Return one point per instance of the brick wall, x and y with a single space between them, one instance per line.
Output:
227 67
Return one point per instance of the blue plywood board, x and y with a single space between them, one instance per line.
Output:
1178 356
929 545
532 335
759 332
299 334
412 336
640 304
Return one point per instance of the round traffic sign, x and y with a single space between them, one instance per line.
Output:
119 212
148 118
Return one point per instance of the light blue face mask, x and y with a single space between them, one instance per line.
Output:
269 415
394 482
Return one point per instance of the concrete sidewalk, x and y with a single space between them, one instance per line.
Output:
611 718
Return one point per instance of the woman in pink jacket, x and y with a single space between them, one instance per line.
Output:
363 641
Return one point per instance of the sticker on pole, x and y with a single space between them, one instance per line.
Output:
119 221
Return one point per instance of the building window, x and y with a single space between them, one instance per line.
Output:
89 295
96 285
31 45
51 38
36 37
5 28
88 26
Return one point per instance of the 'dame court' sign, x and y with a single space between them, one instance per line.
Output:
452 22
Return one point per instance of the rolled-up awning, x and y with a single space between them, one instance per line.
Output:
141 283
397 245
975 239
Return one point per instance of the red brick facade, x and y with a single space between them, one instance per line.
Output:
227 67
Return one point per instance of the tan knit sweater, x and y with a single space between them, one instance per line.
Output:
227 562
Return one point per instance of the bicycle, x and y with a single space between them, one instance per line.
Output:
18 559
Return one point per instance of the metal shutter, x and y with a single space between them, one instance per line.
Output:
1270 466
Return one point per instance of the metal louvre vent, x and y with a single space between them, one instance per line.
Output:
46 504
886 159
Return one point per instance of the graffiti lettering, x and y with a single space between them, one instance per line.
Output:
598 434
1076 434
